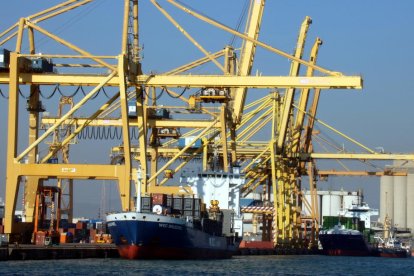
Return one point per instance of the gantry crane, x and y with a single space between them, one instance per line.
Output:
224 135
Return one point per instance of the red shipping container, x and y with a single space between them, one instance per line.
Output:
81 225
40 238
1 229
159 199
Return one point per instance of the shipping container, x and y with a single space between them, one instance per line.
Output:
188 204
159 199
63 237
132 109
81 225
40 238
4 59
146 204
162 113
92 234
178 203
4 239
42 65
185 141
25 65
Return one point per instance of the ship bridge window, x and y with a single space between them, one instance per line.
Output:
133 217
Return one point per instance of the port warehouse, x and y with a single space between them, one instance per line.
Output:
38 64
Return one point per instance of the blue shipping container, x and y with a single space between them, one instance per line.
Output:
132 109
42 65
4 58
184 141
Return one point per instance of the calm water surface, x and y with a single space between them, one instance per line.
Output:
239 265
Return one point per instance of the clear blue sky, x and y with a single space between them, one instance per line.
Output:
369 38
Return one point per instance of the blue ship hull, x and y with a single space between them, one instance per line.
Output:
152 236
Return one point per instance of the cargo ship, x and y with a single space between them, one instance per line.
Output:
181 227
352 237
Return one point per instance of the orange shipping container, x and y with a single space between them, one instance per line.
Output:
63 238
92 234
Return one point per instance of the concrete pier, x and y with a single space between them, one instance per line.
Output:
63 251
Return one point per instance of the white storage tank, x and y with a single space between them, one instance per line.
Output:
352 198
308 197
331 204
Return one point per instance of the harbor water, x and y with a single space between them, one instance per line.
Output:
238 265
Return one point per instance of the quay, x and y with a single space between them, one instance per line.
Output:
62 251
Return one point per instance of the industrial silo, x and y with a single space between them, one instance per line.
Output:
410 202
386 197
400 201
351 198
331 204
308 197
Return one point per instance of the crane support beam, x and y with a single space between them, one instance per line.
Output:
362 156
246 58
12 178
290 92
32 183
269 82
360 173
71 171
303 101
125 187
118 122
350 82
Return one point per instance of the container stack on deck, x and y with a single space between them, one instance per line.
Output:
176 205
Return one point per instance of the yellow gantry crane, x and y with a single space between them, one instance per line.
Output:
221 136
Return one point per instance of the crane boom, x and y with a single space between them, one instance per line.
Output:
246 59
